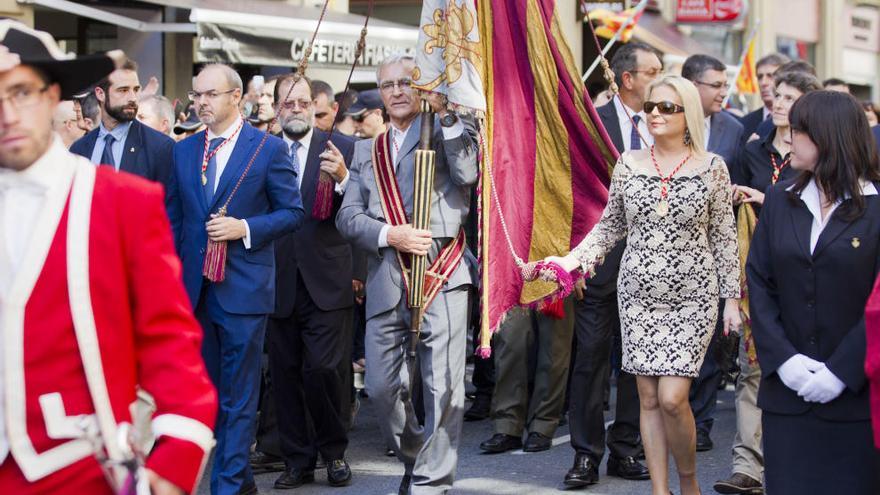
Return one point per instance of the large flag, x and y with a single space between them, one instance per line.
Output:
546 155
747 80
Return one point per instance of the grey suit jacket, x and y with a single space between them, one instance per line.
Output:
360 219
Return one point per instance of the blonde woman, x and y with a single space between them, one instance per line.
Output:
672 204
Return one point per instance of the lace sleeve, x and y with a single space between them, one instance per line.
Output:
611 228
722 230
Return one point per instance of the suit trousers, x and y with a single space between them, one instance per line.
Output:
512 408
596 324
704 389
305 352
748 455
429 453
232 348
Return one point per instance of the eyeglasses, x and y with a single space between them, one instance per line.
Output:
404 84
23 97
211 94
714 85
664 107
292 104
649 73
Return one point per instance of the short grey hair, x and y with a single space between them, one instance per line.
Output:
232 77
162 106
393 59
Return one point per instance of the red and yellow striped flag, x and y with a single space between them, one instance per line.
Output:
609 23
747 80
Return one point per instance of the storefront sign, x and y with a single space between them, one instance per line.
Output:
273 47
698 11
864 24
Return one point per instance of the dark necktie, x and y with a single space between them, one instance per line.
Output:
294 148
107 155
635 143
211 170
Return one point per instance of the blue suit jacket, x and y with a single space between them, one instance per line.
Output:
725 139
876 130
268 199
147 152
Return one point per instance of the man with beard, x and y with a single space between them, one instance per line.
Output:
120 141
309 334
231 184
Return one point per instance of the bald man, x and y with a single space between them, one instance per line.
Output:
64 123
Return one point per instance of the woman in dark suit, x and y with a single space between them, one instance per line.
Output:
811 268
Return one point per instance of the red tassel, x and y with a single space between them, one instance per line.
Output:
323 206
554 309
214 268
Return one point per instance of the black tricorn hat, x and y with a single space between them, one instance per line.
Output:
39 49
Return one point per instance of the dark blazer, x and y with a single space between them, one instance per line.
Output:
750 123
268 199
812 304
147 152
725 139
876 130
316 250
608 115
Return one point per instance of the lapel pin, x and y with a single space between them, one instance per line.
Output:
856 242
131 150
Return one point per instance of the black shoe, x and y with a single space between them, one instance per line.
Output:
739 483
405 484
537 443
262 462
479 409
627 468
248 489
294 477
584 472
338 473
704 443
501 443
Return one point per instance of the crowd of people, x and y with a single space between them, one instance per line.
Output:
742 247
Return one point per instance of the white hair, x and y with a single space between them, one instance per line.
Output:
161 106
397 58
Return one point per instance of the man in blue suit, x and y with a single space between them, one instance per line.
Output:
121 141
207 168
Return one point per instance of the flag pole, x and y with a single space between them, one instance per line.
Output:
630 20
742 59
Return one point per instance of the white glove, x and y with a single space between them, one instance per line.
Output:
822 387
795 372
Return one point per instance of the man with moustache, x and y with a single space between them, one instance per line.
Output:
429 452
231 156
120 141
724 137
309 334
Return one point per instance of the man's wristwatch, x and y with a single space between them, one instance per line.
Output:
449 119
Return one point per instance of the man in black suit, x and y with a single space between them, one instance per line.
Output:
120 140
635 66
724 137
764 69
310 331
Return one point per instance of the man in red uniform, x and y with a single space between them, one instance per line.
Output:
91 302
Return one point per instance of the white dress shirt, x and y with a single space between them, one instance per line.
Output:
810 197
23 195
222 158
623 120
708 129
302 154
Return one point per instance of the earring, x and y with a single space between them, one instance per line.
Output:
687 137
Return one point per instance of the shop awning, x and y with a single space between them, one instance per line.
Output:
665 37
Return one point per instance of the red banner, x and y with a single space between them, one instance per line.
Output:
708 10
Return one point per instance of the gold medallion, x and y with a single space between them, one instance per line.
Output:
856 242
662 208
204 180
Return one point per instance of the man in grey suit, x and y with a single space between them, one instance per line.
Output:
429 452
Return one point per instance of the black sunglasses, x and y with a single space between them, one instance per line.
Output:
664 107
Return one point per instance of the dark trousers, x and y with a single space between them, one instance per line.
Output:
704 389
483 378
232 348
596 324
306 350
268 441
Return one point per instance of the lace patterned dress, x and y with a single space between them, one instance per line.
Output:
675 266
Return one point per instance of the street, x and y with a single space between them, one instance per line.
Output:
502 474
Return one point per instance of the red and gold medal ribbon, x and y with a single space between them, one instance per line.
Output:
777 169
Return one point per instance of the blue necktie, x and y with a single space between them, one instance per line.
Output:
107 155
294 148
211 170
635 143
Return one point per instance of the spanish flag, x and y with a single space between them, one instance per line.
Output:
747 80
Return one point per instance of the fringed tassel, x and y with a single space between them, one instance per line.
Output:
214 268
323 206
484 352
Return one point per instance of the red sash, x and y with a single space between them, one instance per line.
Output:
395 214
